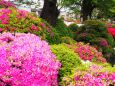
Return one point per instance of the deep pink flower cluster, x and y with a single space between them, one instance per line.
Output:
26 60
4 18
87 52
103 43
22 13
6 4
94 78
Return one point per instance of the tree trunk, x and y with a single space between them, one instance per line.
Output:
50 11
86 9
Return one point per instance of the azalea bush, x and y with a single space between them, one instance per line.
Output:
26 60
87 52
95 79
96 33
6 4
14 20
93 76
112 31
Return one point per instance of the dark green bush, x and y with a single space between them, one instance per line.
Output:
73 27
68 59
62 29
54 39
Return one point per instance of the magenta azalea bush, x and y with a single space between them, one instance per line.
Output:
26 60
6 4
87 52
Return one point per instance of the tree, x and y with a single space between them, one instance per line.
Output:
87 6
50 11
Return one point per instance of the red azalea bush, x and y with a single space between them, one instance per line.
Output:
112 31
26 60
6 4
87 52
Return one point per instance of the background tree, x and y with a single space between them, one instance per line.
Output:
87 6
50 11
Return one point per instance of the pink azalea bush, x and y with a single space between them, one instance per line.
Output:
87 52
14 20
26 60
103 42
93 77
6 4
97 79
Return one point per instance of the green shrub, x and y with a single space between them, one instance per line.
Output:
113 25
55 39
73 27
68 59
67 40
111 40
62 29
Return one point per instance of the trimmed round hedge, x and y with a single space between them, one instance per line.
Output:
26 60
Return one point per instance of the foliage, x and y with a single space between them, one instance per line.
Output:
67 40
62 29
68 59
105 7
14 20
26 60
113 25
55 39
73 27
95 33
6 4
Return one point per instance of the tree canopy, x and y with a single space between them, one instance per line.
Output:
86 7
